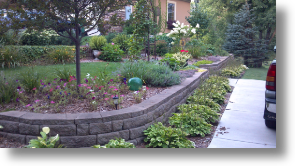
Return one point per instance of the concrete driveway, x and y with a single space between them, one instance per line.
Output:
242 124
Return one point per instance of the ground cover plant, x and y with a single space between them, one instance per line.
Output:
202 62
234 69
116 143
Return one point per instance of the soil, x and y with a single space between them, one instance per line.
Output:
201 142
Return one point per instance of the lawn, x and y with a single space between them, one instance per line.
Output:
256 73
49 71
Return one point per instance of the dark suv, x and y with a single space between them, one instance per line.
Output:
270 96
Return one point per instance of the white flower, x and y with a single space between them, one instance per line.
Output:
177 22
172 43
173 38
87 75
198 26
1 127
193 31
91 90
46 130
93 102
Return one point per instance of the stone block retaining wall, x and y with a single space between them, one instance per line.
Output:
88 129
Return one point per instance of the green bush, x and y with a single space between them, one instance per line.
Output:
118 143
97 42
202 62
44 141
161 48
194 51
112 53
110 36
191 123
39 38
203 111
63 55
171 61
159 136
122 41
152 73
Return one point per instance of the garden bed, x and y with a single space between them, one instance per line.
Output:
88 129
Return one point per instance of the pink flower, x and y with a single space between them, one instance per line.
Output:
51 90
34 88
28 105
85 85
37 101
106 93
88 87
147 88
106 99
113 43
121 95
20 92
52 102
6 83
112 96
115 89
65 84
100 87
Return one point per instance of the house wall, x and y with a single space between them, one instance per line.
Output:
182 10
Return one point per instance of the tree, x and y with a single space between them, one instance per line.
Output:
241 38
199 16
69 16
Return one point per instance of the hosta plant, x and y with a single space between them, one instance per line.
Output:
191 123
201 100
44 141
160 136
203 111
117 143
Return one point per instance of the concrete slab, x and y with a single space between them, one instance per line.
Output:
242 124
232 82
224 143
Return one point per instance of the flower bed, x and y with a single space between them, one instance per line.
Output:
88 129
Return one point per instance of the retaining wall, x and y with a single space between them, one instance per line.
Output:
88 129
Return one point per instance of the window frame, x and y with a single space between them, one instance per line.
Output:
174 9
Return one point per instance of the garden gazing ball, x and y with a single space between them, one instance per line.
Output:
135 83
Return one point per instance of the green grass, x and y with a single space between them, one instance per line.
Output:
256 73
49 71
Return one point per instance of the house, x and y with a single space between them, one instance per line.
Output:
175 9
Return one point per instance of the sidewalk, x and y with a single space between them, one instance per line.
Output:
242 124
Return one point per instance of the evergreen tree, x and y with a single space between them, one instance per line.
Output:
241 39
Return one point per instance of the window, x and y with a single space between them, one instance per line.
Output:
171 11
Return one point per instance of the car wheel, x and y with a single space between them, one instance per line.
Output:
270 124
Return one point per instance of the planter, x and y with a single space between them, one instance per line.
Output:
96 54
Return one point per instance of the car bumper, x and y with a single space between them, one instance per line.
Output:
270 109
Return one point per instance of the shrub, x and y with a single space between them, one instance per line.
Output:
233 71
159 136
112 52
9 57
63 55
152 73
39 38
44 142
97 42
202 62
203 111
110 36
118 143
194 51
191 123
161 48
122 41
171 61
63 74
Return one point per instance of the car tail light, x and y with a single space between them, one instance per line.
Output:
271 77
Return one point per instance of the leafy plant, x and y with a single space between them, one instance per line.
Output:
9 57
44 142
171 61
202 100
190 122
122 41
112 52
111 36
8 89
161 48
202 62
160 136
63 74
62 55
39 38
203 111
117 143
97 42
30 80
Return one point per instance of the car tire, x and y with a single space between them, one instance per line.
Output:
270 124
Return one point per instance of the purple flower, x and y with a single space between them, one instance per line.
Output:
32 109
17 100
54 82
49 84
37 101
111 80
52 102
55 79
93 98
40 80
42 83
61 80
28 105
86 80
18 87
16 80
48 97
